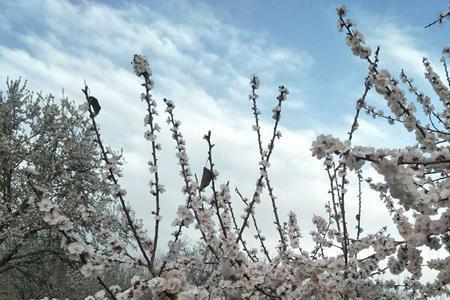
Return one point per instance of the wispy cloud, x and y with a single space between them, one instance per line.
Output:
199 61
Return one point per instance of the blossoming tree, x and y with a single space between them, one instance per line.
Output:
415 191
51 141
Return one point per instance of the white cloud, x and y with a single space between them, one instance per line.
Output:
399 48
200 63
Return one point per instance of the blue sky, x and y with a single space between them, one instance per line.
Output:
303 28
202 54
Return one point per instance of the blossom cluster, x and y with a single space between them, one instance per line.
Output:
415 177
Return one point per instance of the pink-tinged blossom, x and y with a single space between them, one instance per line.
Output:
254 81
45 205
140 65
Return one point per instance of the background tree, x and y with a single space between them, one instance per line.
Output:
53 138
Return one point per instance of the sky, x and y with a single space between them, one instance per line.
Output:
202 54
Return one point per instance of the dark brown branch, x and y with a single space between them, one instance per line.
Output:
115 181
